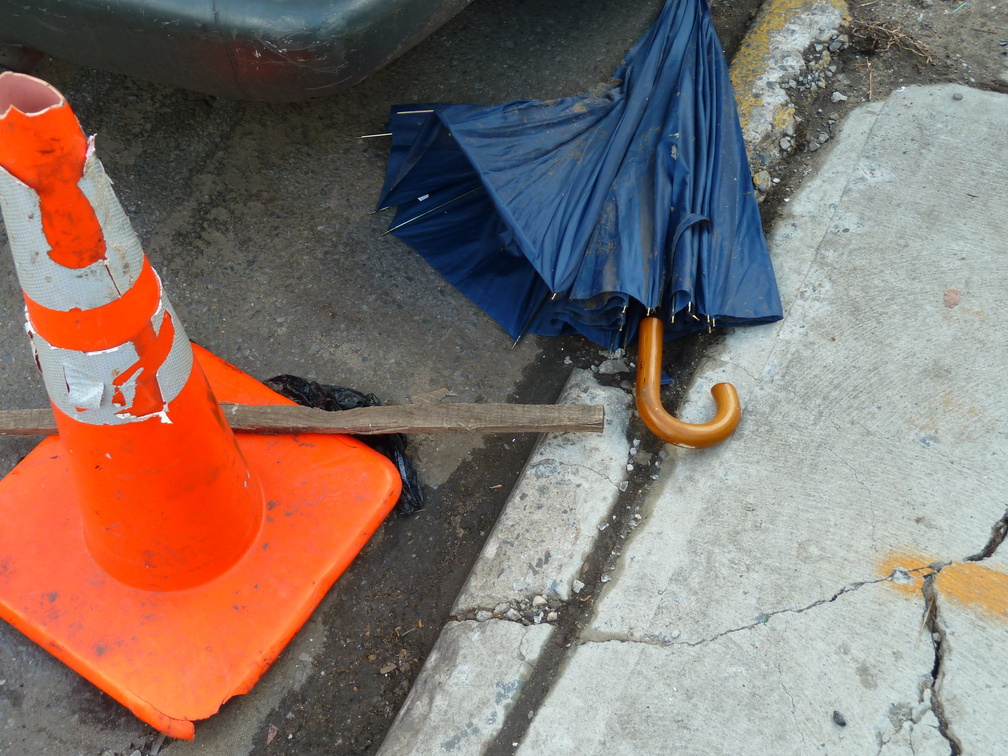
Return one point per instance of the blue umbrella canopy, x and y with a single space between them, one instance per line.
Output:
586 213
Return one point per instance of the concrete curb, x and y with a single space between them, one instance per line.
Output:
528 567
788 48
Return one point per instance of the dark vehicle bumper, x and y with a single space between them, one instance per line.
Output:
273 50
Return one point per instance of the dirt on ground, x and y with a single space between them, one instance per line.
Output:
888 44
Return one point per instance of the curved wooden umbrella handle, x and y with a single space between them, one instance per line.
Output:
660 422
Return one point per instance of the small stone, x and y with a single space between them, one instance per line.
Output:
552 617
629 468
952 297
624 485
605 578
513 614
838 97
823 137
813 146
539 601
501 608
957 96
483 615
785 144
602 526
612 367
839 718
835 45
762 180
390 667
577 586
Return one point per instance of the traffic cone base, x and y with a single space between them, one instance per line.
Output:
175 656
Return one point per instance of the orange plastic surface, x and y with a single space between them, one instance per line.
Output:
174 657
668 428
42 145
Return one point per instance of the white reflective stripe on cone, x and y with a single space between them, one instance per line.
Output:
55 286
101 388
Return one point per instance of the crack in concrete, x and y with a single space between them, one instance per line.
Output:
794 709
600 474
904 715
936 631
998 532
762 619
940 643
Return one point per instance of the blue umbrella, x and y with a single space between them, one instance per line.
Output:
588 214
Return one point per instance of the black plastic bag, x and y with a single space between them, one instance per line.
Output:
323 396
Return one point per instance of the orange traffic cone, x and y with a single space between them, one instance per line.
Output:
161 556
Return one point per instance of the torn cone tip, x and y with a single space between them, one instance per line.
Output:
26 94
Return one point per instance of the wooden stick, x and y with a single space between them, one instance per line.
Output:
367 421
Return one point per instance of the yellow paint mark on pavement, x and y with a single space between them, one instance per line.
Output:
908 571
977 586
971 584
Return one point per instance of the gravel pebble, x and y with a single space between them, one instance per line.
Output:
612 367
577 586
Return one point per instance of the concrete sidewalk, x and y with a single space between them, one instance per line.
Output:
829 579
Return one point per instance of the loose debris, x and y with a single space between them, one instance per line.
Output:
536 610
883 35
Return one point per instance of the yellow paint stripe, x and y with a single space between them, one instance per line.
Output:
977 586
751 59
971 584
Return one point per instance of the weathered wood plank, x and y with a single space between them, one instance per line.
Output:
404 418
